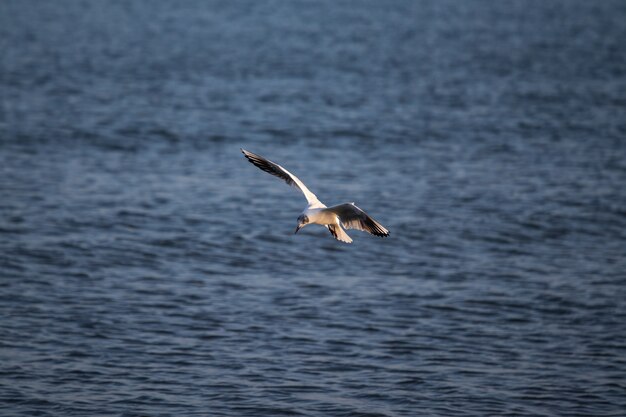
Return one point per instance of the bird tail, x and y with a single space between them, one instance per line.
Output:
338 233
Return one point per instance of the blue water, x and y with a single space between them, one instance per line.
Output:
147 269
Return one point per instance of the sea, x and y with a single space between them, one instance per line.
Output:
147 269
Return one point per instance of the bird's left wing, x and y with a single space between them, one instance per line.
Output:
280 172
352 217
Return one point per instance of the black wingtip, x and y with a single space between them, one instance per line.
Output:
249 156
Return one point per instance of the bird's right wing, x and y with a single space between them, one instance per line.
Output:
280 172
352 217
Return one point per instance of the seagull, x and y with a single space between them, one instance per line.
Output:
335 218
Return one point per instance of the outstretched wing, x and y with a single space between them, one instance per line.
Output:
352 217
280 172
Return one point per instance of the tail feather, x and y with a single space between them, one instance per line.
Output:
338 233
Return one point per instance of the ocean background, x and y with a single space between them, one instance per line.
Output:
147 269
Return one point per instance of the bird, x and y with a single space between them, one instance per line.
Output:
334 218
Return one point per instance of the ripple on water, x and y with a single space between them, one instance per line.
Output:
147 269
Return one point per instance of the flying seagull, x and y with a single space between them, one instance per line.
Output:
347 215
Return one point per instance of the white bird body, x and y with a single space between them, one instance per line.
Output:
325 217
335 218
319 216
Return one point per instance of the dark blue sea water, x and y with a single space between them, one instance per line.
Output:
147 269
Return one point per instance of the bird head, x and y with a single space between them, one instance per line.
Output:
302 221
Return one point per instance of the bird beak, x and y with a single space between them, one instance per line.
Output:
298 228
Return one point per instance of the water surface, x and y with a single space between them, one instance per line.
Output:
147 269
